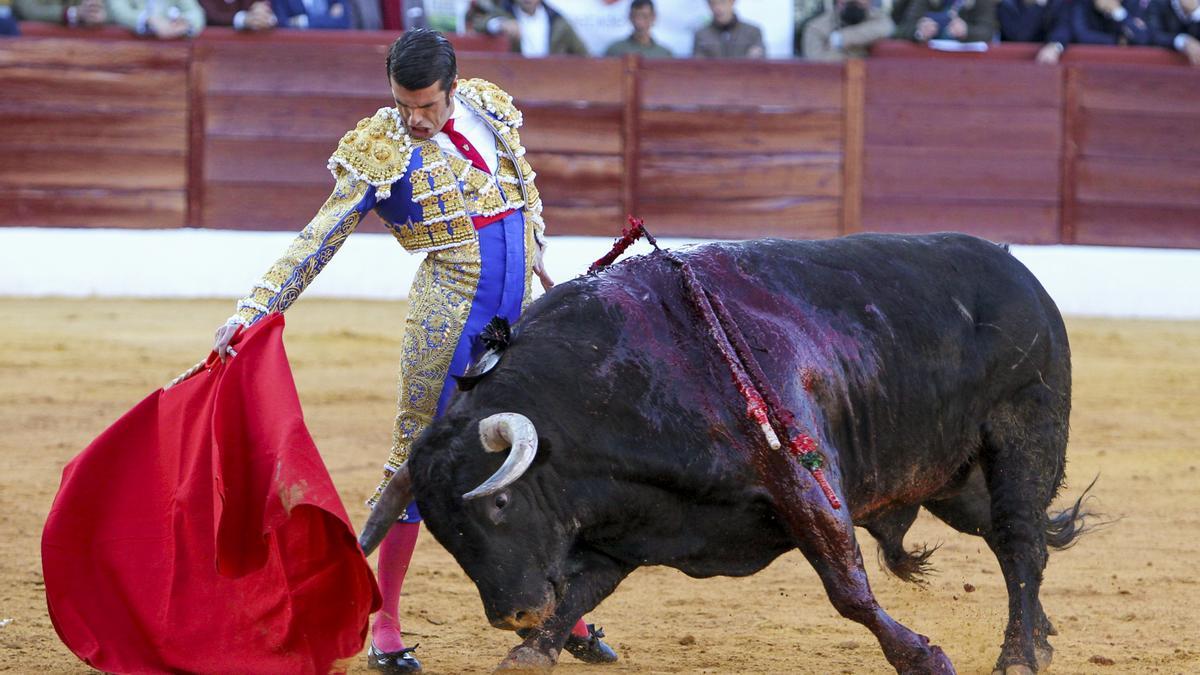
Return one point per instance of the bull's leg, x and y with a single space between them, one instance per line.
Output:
826 537
596 577
1022 462
970 512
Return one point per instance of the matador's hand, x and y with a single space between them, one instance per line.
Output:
539 268
221 343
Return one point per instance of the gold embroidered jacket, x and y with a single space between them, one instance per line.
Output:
425 196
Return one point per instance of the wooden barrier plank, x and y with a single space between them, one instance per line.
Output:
960 177
748 218
706 132
578 180
595 129
80 89
74 207
581 220
61 130
270 67
740 85
267 161
853 145
552 79
1142 89
1142 134
1009 222
964 128
93 168
238 206
1150 182
314 116
717 178
93 55
1137 225
962 83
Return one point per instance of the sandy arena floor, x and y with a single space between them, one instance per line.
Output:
1125 600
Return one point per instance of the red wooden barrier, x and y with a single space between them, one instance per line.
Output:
233 131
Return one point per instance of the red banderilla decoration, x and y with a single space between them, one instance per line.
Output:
635 231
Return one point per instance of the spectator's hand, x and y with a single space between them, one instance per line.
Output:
167 29
926 29
1191 49
260 17
1049 54
1107 7
957 28
510 29
92 13
221 342
540 270
756 52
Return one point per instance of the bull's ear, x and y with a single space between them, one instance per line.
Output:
477 370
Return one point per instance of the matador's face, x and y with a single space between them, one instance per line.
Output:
424 111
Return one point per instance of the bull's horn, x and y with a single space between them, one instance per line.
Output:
498 433
396 496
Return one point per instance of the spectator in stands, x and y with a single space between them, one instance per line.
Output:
1044 21
1110 22
533 27
66 12
728 37
1175 24
8 22
641 15
846 28
366 14
162 19
248 15
401 15
304 14
962 20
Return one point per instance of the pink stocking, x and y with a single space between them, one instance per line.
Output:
394 555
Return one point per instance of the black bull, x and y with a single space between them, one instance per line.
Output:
932 370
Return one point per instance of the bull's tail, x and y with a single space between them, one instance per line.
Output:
1066 526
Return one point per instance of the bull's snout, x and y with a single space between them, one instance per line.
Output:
524 618
531 613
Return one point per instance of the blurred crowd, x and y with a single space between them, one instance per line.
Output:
824 29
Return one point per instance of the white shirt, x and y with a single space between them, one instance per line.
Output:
535 32
477 132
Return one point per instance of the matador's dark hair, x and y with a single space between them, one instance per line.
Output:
421 57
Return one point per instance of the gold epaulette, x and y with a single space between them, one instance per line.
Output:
488 97
375 151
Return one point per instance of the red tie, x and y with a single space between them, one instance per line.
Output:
464 146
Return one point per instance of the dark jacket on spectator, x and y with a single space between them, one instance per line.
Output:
979 15
563 39
1089 26
1167 22
1031 21
728 42
328 14
8 21
221 12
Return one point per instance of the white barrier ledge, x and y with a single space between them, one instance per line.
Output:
39 262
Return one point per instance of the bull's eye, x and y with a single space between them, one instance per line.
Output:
502 500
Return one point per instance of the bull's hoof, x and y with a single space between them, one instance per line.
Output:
1015 669
935 663
1044 655
524 659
